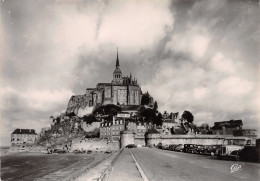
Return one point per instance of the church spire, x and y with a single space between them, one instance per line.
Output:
117 75
117 60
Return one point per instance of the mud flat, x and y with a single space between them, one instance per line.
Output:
39 166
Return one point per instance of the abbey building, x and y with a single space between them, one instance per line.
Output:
123 90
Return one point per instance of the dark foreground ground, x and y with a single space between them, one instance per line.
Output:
163 165
33 166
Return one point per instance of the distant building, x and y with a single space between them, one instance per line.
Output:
169 123
205 129
22 138
250 133
131 126
226 127
172 117
141 129
111 129
123 90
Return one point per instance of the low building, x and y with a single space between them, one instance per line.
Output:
250 133
111 129
205 129
131 126
141 129
226 127
169 123
172 117
22 138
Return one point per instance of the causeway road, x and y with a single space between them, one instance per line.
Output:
162 165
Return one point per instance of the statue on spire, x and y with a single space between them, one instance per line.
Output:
117 60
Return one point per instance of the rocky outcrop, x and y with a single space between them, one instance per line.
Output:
62 131
76 102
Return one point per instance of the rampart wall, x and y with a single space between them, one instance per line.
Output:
94 145
187 139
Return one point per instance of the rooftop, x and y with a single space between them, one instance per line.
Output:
24 131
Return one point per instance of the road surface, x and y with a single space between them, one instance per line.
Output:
159 165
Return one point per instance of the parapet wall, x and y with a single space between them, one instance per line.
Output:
94 145
188 139
198 141
30 148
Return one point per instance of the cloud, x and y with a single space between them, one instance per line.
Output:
46 99
222 64
234 86
203 117
200 93
193 41
41 100
199 45
134 25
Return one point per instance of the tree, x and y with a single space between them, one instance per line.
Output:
187 116
89 118
145 99
108 109
155 107
159 119
149 114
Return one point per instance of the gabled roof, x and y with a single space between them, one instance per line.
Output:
24 131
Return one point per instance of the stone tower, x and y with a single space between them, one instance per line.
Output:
117 75
126 138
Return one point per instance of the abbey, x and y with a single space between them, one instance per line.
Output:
123 90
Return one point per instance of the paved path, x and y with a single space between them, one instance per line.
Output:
125 168
163 165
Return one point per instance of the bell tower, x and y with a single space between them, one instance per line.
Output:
117 75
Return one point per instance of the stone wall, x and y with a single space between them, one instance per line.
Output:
134 95
94 145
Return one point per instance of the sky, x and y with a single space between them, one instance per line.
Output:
195 55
